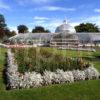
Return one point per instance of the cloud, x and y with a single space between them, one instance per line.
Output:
40 2
40 18
50 24
4 5
91 19
54 8
13 28
97 10
75 23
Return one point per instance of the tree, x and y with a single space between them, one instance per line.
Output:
5 33
22 29
8 35
2 22
88 27
3 26
40 29
13 33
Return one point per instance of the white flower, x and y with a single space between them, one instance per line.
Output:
65 76
91 73
78 75
48 77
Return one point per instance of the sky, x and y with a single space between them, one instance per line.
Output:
49 13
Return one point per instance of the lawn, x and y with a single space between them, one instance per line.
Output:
84 90
2 63
88 90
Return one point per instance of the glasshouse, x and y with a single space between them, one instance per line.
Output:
65 35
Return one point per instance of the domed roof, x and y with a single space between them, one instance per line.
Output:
65 28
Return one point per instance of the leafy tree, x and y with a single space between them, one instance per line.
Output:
3 26
5 33
2 22
40 29
88 27
8 35
13 33
22 29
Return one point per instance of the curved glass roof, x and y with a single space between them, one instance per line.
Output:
83 37
32 36
65 28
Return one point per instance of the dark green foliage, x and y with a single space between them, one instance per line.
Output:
22 29
3 26
40 29
2 22
5 33
88 27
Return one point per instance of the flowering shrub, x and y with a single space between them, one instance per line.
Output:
91 73
65 76
48 77
78 75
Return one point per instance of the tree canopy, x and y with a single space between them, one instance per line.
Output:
22 29
5 33
88 27
40 29
3 26
2 22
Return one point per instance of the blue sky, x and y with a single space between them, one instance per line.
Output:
49 13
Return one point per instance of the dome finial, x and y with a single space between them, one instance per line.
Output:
65 21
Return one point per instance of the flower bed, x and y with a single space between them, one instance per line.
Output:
39 60
36 78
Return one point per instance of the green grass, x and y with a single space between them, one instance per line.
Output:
72 53
97 65
84 90
2 63
87 90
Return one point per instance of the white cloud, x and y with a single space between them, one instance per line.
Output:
13 28
54 8
41 1
75 23
4 5
91 19
97 10
50 24
25 2
40 18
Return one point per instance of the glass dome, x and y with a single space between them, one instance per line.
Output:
65 28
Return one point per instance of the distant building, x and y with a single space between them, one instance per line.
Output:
65 36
